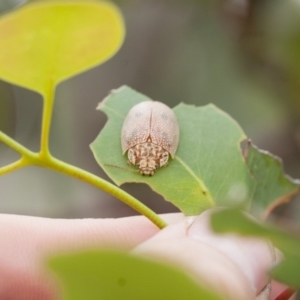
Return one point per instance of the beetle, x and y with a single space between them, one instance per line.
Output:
150 134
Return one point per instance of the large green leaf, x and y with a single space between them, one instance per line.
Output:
273 186
208 169
45 42
114 275
235 221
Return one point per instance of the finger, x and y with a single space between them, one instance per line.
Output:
234 267
43 233
27 241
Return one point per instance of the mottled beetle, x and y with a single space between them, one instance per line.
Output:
150 133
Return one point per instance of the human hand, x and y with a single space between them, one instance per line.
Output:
234 267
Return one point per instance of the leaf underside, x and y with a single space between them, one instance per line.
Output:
46 42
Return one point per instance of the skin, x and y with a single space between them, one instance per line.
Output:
233 266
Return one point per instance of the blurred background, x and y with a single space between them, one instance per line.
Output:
243 56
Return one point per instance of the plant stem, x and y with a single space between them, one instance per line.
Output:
62 167
11 167
48 104
14 144
27 157
44 159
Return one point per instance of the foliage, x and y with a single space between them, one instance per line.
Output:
208 169
236 221
46 42
116 275
273 186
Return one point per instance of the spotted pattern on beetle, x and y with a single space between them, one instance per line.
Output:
150 134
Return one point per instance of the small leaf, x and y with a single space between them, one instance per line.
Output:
230 220
208 168
46 42
273 186
113 275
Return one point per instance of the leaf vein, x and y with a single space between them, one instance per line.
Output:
201 184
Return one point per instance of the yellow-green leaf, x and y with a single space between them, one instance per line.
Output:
46 42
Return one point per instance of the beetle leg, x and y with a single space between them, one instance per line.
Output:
131 156
163 161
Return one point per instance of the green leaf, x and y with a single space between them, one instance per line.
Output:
114 275
208 168
46 42
288 271
230 220
273 186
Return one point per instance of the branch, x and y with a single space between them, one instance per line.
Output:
14 145
12 167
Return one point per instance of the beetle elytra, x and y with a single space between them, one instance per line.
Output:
150 133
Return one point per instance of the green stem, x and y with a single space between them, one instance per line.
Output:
45 159
48 104
42 160
62 167
14 144
11 167
27 157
